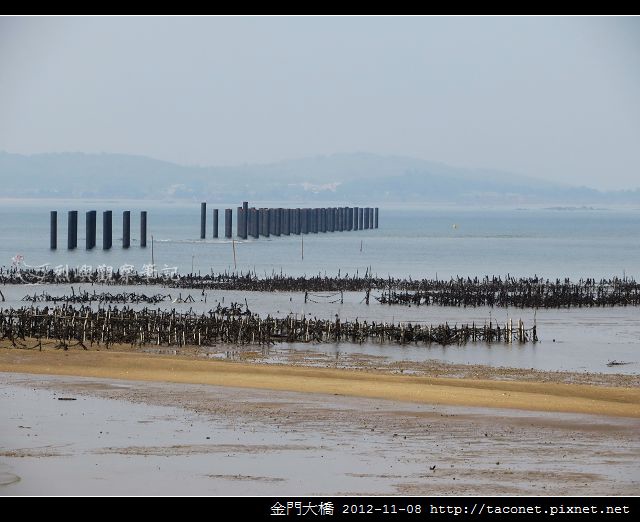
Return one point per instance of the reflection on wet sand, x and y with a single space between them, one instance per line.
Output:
127 437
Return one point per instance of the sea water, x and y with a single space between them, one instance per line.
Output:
412 242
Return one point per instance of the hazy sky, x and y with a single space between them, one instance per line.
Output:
557 98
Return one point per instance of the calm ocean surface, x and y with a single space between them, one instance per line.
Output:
410 242
416 242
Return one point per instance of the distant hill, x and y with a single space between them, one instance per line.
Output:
340 177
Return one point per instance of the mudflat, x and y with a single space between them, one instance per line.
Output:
137 437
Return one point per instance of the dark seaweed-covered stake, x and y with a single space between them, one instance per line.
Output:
71 326
531 292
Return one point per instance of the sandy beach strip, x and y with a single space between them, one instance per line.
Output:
535 396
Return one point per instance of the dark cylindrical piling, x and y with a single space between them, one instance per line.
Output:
349 218
375 218
340 219
245 213
215 222
90 229
126 229
295 221
240 224
360 218
53 232
356 212
254 222
323 220
249 219
203 220
286 221
371 218
266 222
304 220
107 228
261 221
277 212
228 223
314 220
272 221
72 229
330 225
366 217
143 229
278 215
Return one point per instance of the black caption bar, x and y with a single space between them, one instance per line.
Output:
329 508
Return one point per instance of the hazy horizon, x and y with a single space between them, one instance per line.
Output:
544 97
315 157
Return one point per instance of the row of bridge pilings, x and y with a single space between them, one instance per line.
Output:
91 228
266 222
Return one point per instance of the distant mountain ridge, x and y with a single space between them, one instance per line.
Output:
358 177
